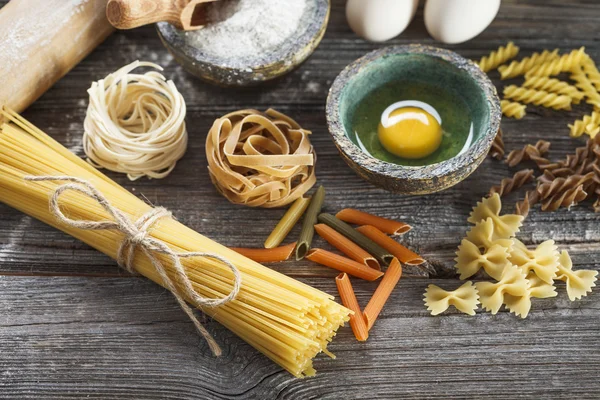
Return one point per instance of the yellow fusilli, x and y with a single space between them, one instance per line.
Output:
517 68
591 70
513 109
538 97
498 57
567 62
554 86
583 83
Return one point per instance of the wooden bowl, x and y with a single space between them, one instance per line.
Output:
427 64
232 71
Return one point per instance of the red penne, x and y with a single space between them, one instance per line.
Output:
352 216
357 322
382 293
346 246
403 254
261 255
343 264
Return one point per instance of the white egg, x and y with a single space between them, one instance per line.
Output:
456 21
380 20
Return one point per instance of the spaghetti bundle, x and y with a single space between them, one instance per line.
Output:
288 321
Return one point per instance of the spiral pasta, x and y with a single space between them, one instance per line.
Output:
498 57
538 97
507 185
135 124
567 62
589 124
591 70
584 84
497 149
554 86
513 109
517 68
528 152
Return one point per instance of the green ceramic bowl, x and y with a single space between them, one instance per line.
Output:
425 64
234 71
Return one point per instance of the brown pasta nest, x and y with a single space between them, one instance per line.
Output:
260 159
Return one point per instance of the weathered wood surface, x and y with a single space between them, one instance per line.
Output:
72 325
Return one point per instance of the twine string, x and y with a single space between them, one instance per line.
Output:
137 237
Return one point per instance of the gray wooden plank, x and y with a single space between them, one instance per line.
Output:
106 334
78 337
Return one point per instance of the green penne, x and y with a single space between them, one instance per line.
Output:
373 248
287 222
308 225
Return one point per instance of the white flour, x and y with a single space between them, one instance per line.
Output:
247 29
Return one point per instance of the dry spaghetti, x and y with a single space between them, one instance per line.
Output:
288 321
260 159
135 123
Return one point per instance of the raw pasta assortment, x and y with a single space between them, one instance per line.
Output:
520 273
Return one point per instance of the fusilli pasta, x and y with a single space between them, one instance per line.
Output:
538 97
554 86
497 149
513 109
521 67
498 57
507 185
567 62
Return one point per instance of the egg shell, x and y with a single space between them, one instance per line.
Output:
456 21
380 20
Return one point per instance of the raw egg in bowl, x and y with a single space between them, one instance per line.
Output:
413 119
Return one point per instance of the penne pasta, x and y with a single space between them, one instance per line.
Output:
275 254
357 322
382 293
391 227
310 219
403 254
381 254
343 264
347 246
287 222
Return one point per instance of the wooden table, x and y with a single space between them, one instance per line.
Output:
73 325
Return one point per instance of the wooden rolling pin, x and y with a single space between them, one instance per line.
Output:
41 40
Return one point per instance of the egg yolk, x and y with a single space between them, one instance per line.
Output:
410 132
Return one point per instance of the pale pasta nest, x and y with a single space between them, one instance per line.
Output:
260 159
135 124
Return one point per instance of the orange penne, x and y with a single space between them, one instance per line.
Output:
382 293
352 216
343 264
274 254
403 254
346 246
357 322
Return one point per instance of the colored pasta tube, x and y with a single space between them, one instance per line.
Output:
287 222
388 226
347 246
381 254
275 254
310 219
357 322
403 254
343 264
382 293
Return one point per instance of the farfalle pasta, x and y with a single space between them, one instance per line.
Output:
469 260
482 235
512 282
464 299
579 283
543 260
505 226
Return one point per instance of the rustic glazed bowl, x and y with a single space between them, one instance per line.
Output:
231 71
426 64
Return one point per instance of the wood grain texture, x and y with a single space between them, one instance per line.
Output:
73 325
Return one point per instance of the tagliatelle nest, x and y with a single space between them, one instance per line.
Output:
260 159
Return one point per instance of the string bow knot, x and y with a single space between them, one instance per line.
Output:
137 237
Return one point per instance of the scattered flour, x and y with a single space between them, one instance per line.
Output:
247 28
